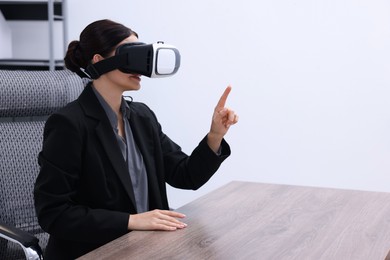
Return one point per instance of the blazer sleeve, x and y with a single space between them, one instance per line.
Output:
193 171
56 187
188 171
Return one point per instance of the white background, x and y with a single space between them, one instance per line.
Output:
5 36
311 83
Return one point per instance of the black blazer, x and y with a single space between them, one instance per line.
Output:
83 194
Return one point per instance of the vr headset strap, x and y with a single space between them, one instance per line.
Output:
96 70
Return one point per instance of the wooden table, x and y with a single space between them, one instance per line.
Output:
244 220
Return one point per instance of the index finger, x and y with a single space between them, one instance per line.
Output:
222 100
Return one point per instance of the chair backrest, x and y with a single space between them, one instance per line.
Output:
27 98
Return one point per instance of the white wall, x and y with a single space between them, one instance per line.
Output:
5 36
311 83
30 39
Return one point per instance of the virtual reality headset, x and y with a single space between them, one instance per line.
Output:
152 60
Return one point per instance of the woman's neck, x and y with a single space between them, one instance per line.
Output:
111 95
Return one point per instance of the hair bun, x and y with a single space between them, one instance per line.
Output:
74 58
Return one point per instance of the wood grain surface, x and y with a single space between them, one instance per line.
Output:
244 220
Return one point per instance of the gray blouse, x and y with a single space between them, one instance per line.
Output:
131 153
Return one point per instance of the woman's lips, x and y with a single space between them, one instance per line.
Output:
136 77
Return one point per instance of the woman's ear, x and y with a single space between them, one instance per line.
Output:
97 58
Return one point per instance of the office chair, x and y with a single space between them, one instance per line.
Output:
27 98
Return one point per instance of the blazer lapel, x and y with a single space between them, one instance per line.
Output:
116 158
106 136
143 136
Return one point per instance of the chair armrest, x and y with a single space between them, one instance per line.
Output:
28 242
22 237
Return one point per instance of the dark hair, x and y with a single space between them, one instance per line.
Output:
99 37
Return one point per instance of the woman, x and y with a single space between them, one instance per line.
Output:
105 162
